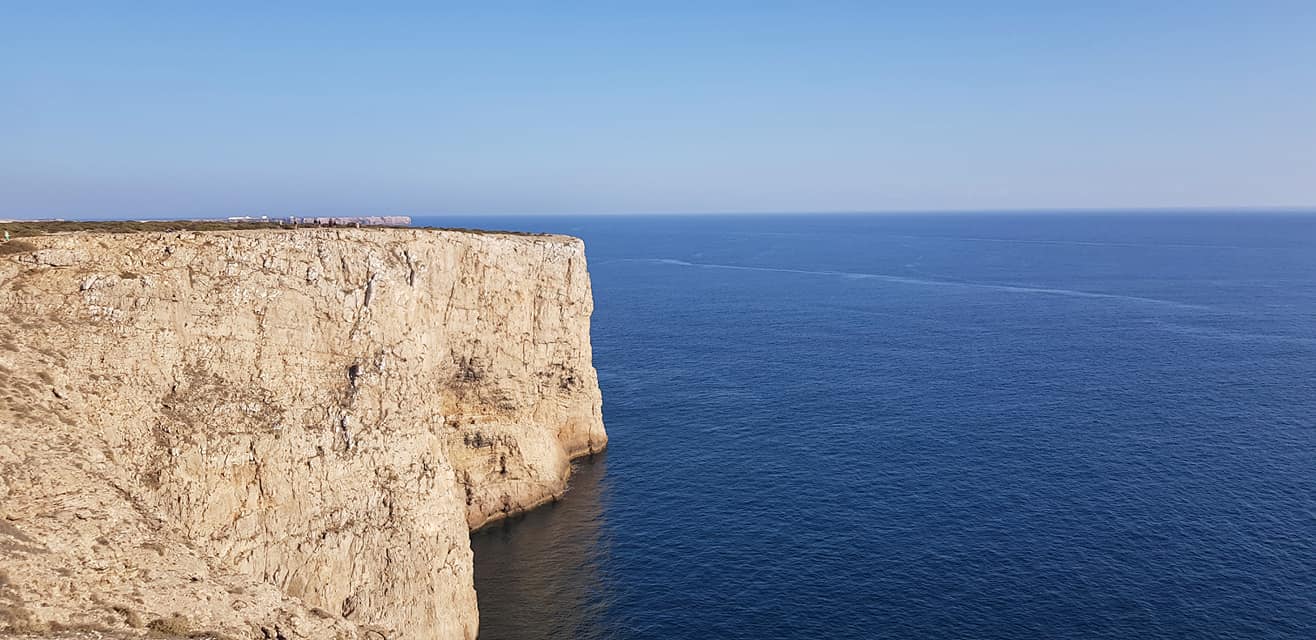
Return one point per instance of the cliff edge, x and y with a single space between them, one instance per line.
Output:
279 433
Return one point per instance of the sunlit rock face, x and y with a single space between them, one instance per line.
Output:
279 433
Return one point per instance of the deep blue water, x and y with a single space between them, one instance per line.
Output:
969 426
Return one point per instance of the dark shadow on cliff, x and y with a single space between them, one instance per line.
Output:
540 574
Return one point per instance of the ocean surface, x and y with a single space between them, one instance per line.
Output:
942 426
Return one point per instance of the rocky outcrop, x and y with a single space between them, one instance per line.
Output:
279 433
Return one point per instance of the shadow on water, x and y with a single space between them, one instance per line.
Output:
540 575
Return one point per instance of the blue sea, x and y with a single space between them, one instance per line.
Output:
933 427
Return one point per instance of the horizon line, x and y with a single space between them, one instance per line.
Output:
1273 209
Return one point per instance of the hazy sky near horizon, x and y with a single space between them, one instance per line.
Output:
197 109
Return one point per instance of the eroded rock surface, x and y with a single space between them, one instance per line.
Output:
279 433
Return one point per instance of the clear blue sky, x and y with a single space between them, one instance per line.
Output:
221 108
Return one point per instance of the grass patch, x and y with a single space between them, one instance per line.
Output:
28 229
175 625
15 246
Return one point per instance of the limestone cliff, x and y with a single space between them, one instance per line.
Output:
279 433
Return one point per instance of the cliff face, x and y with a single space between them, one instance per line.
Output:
275 433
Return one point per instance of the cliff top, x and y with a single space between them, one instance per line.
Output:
29 228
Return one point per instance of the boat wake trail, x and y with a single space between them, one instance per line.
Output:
928 282
1079 243
1215 333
